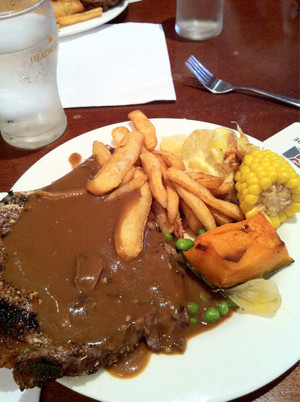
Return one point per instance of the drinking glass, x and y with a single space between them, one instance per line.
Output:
199 19
31 113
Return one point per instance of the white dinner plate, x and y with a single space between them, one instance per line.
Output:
238 357
83 26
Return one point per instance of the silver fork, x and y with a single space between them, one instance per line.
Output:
218 86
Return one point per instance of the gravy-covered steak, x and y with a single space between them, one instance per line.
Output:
68 304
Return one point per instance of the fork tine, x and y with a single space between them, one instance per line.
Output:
200 72
192 69
197 72
200 68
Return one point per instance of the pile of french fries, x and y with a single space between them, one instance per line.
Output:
69 12
182 201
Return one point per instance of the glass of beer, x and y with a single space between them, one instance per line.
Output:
31 113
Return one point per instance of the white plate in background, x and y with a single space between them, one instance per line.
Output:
83 26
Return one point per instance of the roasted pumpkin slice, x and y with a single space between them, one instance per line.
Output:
237 252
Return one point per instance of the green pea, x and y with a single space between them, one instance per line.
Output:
190 243
180 244
223 307
231 303
168 236
193 308
193 320
184 244
201 231
211 315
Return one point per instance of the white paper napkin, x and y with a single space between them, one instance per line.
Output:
115 64
9 391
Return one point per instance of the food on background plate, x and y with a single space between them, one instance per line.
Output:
68 12
106 271
62 8
105 4
80 17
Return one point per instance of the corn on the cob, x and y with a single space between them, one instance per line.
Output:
266 182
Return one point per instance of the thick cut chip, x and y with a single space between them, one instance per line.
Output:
119 134
112 173
162 217
207 180
101 152
152 167
220 218
223 189
197 206
172 202
178 227
171 159
192 220
186 182
129 175
126 188
163 166
130 229
144 125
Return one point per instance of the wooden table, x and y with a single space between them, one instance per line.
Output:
259 47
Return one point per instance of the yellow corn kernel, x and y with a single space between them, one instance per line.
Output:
289 212
296 197
251 199
248 159
275 221
296 190
283 177
251 213
238 176
254 189
282 216
270 220
266 182
272 174
292 183
296 206
252 179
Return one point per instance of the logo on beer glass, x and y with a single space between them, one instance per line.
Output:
45 53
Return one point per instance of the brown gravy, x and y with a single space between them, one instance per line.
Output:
131 365
75 159
62 248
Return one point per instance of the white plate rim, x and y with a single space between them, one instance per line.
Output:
84 26
235 372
